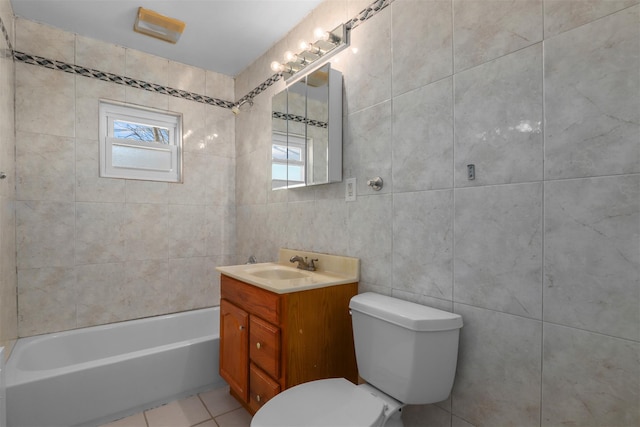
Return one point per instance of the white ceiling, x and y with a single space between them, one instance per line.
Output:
224 36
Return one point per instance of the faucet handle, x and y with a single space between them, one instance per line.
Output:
312 265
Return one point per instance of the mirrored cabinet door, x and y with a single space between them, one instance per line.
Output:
307 131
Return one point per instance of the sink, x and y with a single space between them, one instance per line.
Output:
283 276
279 274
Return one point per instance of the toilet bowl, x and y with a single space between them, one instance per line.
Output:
406 352
335 402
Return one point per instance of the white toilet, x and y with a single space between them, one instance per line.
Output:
406 352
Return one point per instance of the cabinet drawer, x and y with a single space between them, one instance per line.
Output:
264 345
251 298
261 388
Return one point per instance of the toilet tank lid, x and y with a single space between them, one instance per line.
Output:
407 314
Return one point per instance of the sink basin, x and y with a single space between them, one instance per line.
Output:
279 274
283 277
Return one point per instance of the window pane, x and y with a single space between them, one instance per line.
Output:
140 132
282 152
279 172
141 158
296 173
279 152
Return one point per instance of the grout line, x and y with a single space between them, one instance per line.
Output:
205 407
453 166
542 224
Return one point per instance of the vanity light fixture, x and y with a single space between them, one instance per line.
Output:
312 55
159 26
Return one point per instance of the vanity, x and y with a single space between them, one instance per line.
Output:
281 326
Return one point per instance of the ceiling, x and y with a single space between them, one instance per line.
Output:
224 36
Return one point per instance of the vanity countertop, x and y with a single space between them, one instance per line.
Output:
283 277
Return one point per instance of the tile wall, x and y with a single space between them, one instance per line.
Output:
8 311
539 253
92 250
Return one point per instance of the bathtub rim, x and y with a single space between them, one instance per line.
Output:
16 376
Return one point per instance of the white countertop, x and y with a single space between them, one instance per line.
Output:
283 277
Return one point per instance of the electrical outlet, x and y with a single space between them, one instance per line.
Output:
350 190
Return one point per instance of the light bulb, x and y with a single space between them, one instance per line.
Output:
321 34
276 66
290 56
311 48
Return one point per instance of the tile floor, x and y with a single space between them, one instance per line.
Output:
214 408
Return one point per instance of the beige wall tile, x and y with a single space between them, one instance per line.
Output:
589 379
99 55
187 77
46 300
592 123
498 120
487 29
101 294
187 231
421 43
99 233
42 40
45 234
563 15
592 256
150 68
422 148
45 167
145 230
499 368
45 101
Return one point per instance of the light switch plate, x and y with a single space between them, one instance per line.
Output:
350 190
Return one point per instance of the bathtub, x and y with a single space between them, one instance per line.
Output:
90 376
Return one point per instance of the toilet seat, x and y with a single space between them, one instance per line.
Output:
333 402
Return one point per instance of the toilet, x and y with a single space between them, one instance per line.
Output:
405 352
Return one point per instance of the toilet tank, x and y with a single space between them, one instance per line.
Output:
409 351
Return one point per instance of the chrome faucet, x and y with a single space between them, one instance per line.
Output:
302 263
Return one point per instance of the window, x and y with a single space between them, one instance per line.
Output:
288 158
140 143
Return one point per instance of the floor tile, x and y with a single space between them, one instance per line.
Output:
238 418
181 413
219 401
136 420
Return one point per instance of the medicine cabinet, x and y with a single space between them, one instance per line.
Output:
306 132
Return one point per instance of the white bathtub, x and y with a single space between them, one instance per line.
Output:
87 377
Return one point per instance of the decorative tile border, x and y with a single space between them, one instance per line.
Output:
260 88
121 80
367 13
7 39
299 119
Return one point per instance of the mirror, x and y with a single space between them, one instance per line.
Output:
306 132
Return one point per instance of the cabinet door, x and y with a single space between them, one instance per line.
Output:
234 348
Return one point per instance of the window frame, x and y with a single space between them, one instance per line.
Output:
111 111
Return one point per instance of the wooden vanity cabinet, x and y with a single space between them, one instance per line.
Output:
270 342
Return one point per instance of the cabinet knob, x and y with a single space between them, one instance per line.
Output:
241 327
258 345
257 398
